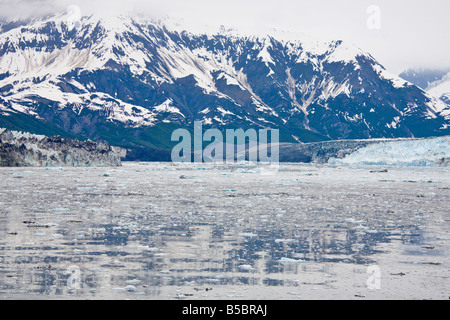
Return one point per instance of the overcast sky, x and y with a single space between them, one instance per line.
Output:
399 33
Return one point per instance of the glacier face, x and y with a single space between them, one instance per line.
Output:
420 152
130 80
18 149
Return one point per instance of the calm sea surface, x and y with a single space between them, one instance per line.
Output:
165 231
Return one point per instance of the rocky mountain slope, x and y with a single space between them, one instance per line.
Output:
435 82
132 81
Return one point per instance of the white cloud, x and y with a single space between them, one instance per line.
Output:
413 33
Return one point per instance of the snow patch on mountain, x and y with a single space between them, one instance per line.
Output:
344 53
396 81
264 55
113 108
167 106
246 78
441 89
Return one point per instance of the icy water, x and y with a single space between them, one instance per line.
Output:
165 231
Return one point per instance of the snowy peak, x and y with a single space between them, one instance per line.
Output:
62 43
82 73
435 82
425 78
441 88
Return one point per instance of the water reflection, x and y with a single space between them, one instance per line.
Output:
161 236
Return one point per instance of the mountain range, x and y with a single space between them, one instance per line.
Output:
131 81
435 81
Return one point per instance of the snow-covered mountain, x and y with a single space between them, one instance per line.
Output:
435 82
131 81
441 89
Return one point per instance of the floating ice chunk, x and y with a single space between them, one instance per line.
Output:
241 170
39 234
284 240
86 188
133 282
130 288
59 210
165 272
351 220
246 267
147 248
289 260
248 235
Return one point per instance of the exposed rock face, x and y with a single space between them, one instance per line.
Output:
27 150
132 81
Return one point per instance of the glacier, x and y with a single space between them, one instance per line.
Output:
22 149
142 78
417 152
